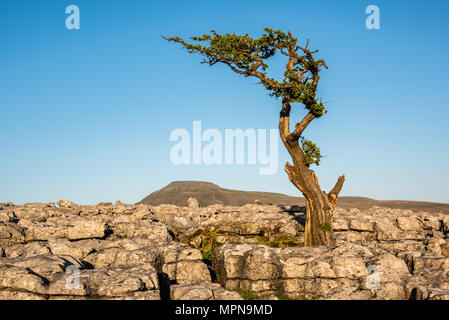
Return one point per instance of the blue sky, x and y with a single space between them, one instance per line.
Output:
86 114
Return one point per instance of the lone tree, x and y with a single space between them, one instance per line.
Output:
247 57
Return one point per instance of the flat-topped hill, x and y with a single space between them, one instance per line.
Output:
208 193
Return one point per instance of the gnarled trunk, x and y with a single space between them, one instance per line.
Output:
318 229
246 56
319 204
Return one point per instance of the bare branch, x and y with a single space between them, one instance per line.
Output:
291 172
301 126
229 64
333 194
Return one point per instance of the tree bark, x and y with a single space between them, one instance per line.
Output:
319 204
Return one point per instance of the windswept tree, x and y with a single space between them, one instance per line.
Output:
248 57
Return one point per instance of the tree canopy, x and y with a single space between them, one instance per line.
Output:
248 57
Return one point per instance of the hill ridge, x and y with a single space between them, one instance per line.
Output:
208 193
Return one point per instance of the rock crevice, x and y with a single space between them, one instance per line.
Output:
71 251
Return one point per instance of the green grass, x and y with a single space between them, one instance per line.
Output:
208 244
280 241
247 294
208 257
283 296
251 295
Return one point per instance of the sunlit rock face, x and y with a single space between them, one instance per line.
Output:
122 251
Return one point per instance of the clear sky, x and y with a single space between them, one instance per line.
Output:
86 114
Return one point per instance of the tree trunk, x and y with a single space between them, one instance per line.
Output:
318 229
319 205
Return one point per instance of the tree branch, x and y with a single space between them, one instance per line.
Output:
290 170
301 126
284 120
333 194
229 64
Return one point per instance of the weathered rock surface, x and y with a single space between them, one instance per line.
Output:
202 291
122 251
311 272
192 203
116 252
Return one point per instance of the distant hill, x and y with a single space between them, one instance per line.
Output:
208 193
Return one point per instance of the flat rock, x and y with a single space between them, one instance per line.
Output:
70 228
202 291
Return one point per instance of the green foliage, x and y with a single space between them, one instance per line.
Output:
312 154
208 256
208 244
326 227
248 56
252 295
280 241
248 294
283 296
219 279
270 238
